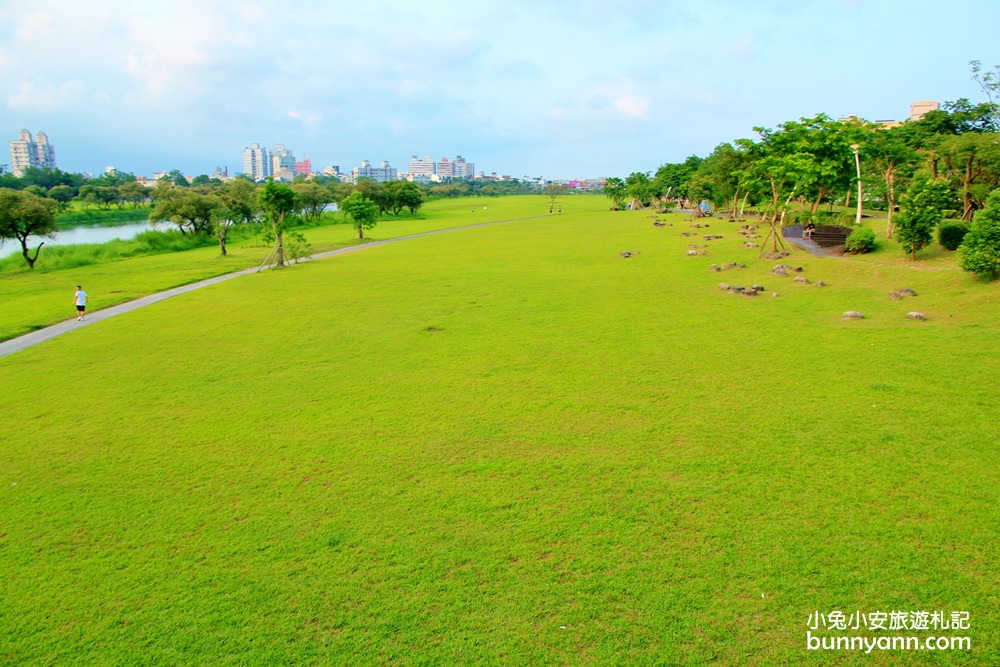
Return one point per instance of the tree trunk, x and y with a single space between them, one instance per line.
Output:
222 244
890 197
847 200
24 252
281 249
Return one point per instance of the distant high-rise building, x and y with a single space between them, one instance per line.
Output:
282 159
256 162
303 167
422 166
918 109
27 152
443 168
377 174
462 169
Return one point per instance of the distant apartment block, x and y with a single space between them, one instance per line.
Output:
282 163
462 169
27 152
256 162
378 174
303 167
425 169
921 107
422 166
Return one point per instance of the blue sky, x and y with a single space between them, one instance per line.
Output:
542 88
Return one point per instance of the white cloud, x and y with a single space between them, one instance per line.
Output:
44 96
631 106
34 26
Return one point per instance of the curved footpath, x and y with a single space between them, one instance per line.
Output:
41 335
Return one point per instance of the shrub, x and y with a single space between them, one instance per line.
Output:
860 241
950 234
980 251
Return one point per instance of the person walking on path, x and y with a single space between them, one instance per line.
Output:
80 299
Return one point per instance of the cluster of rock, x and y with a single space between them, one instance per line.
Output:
777 255
753 290
727 266
900 293
783 269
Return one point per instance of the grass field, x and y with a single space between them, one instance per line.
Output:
507 445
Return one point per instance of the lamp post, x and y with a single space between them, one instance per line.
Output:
857 163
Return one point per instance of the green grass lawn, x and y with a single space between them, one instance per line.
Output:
39 298
506 445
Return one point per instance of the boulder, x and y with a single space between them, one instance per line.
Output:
906 292
802 279
819 283
724 287
916 316
895 295
779 272
853 315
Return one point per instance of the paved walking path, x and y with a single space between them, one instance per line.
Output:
41 335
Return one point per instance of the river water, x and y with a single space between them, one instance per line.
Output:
85 235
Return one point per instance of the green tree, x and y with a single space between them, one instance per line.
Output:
113 178
555 190
313 198
989 81
972 163
374 192
134 193
62 195
239 195
922 206
363 212
888 160
190 211
178 178
23 214
671 180
339 190
280 204
639 188
980 250
404 194
614 189
717 177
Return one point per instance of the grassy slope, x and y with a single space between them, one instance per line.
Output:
505 445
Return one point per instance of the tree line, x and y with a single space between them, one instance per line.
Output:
944 165
209 208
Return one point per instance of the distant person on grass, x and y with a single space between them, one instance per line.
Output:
80 299
810 228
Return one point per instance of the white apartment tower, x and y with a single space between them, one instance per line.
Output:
27 152
422 166
256 162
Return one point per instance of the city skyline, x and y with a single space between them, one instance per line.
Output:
530 89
